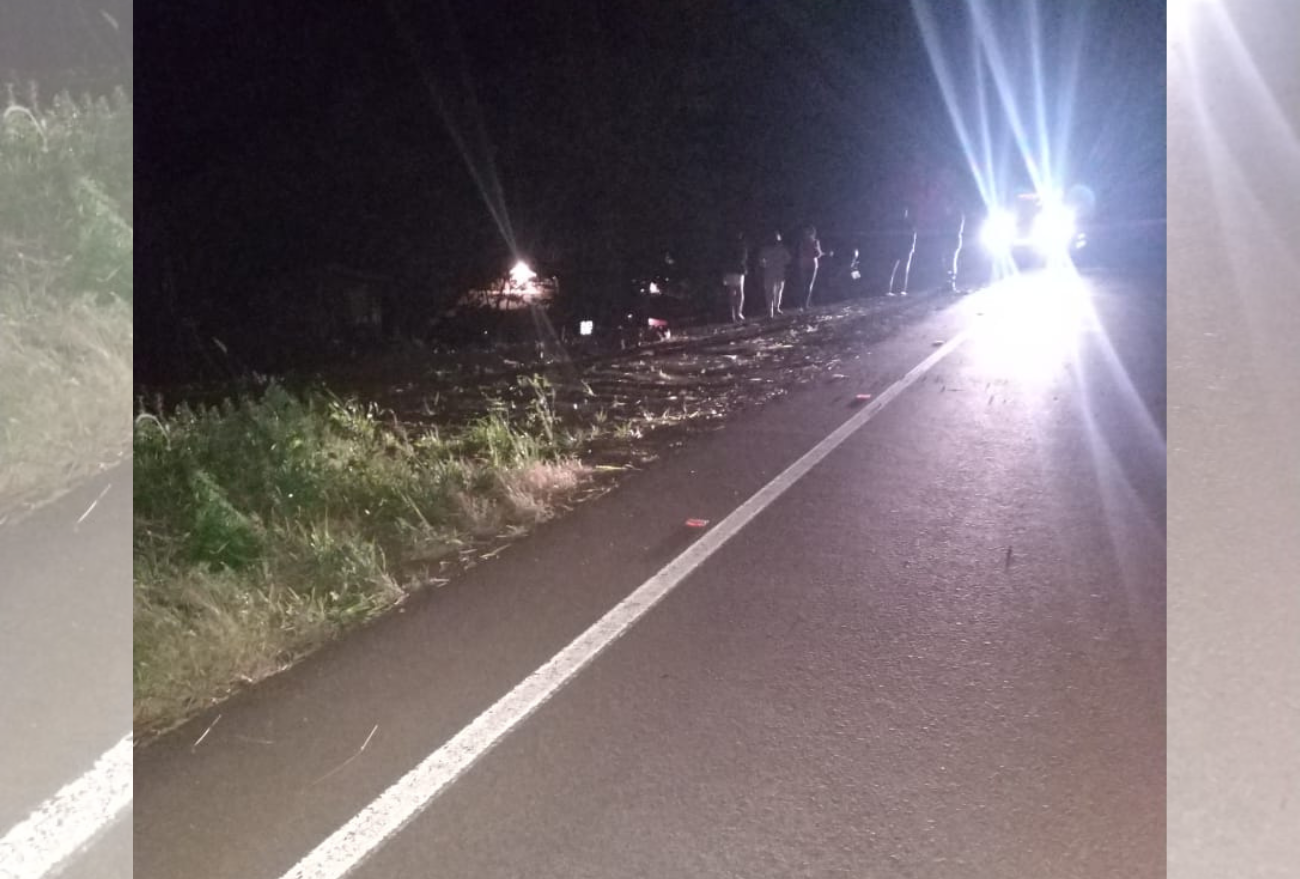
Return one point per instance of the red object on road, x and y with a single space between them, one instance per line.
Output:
697 523
862 398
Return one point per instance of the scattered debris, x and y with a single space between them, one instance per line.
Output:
344 764
633 399
200 739
90 509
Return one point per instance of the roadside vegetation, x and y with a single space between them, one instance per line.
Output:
267 524
66 247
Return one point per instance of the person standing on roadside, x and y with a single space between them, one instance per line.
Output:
810 254
733 277
954 235
772 261
903 247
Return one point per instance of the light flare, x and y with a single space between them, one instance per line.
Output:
1008 82
1033 322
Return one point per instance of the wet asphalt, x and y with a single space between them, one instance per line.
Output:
940 653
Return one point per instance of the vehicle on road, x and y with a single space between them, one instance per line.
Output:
1033 230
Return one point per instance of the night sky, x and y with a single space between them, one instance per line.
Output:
427 140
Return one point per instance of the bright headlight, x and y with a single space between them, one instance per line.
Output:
999 231
1054 228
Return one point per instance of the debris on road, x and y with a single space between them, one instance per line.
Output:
665 388
200 739
345 763
697 523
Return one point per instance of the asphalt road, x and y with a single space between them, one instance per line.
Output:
1234 659
65 655
939 654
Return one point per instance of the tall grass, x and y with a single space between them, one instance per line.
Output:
267 524
66 287
67 187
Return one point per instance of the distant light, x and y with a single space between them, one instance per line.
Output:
1053 232
586 327
521 274
654 288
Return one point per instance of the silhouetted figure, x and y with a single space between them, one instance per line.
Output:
772 261
733 277
942 225
903 247
953 244
810 254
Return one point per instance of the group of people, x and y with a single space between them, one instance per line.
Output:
774 263
939 243
923 244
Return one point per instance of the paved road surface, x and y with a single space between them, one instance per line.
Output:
1234 661
65 655
863 682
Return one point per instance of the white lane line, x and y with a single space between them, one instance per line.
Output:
408 796
69 820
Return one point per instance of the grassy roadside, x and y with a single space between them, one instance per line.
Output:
66 333
266 525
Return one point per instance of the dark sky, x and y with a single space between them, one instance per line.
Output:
424 138
776 96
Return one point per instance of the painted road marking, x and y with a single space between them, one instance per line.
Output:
348 846
68 821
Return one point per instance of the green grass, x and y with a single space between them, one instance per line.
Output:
66 287
268 524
